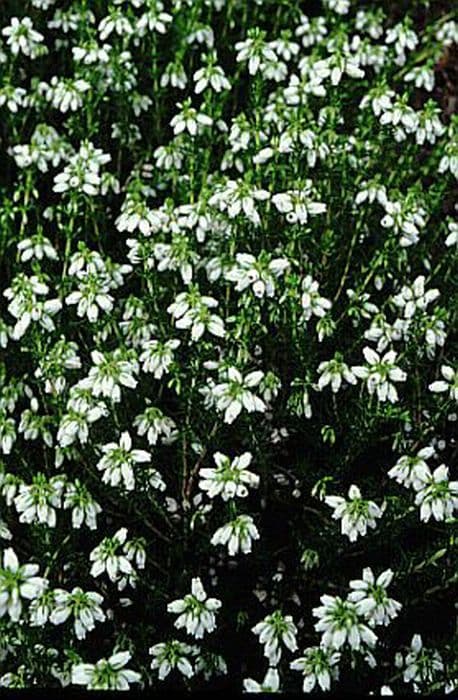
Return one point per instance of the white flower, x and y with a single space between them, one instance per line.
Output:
170 655
357 514
82 411
41 608
36 502
370 22
449 160
405 218
210 75
176 255
46 148
192 310
63 355
237 535
239 197
448 383
437 496
384 333
332 372
452 237
230 478
318 665
312 302
421 77
16 582
14 98
5 532
118 462
412 471
84 606
312 30
386 690
196 612
430 127
109 373
64 95
91 297
379 374
414 297
435 335
254 50
22 37
157 357
259 274
38 247
189 119
116 22
447 32
82 173
233 395
340 623
274 631
270 684
7 432
403 38
106 674
371 192
174 75
341 7
154 20
371 598
136 215
91 52
84 507
421 663
135 551
278 145
155 425
26 307
298 205
108 557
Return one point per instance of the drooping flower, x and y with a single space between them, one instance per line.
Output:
318 666
196 612
270 684
106 674
17 582
356 513
274 631
371 598
237 535
230 478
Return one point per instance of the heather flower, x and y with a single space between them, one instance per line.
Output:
340 622
356 513
17 582
170 655
84 606
106 674
436 495
273 632
371 597
230 478
270 684
449 383
196 612
319 666
117 463
380 373
237 534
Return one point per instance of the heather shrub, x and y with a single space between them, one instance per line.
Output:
228 377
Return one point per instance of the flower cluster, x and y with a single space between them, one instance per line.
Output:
228 380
